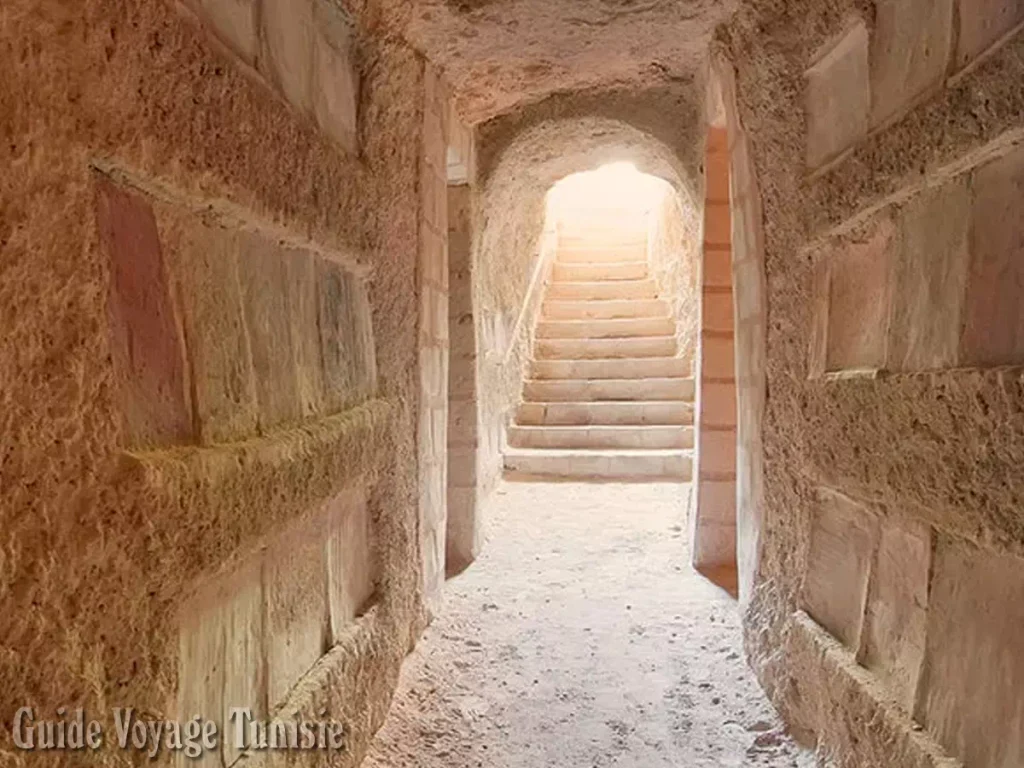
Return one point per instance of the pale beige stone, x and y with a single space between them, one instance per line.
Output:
860 296
350 558
844 537
982 23
618 289
297 615
838 97
993 314
893 641
910 47
288 35
604 329
335 81
933 259
576 349
973 674
234 21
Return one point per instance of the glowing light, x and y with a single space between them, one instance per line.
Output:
615 185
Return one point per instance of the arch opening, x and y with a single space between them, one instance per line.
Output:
578 172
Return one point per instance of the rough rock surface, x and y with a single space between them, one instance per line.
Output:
100 548
500 54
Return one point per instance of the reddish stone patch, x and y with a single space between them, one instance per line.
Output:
145 339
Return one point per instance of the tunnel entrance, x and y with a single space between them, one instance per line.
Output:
608 389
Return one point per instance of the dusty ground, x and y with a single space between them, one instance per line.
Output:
582 638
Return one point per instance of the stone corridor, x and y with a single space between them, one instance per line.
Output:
582 638
281 303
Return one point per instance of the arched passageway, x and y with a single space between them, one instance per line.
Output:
607 387
583 633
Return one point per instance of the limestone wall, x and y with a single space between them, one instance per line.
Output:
465 526
673 247
208 291
886 138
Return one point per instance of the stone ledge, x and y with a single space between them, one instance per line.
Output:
361 663
885 732
222 489
968 117
880 374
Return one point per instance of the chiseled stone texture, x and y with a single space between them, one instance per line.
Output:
893 641
263 276
844 536
249 637
205 272
993 319
433 325
673 259
970 695
297 614
235 22
335 82
982 23
932 259
940 448
132 529
351 560
464 533
145 339
838 97
274 334
289 30
910 48
860 285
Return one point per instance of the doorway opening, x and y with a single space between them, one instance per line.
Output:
608 388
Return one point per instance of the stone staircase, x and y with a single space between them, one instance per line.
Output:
605 395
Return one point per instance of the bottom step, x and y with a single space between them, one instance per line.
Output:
667 464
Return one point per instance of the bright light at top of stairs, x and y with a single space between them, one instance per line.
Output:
617 184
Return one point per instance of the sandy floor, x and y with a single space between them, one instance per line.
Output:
581 638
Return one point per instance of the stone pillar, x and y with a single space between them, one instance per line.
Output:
748 279
713 523
464 529
432 288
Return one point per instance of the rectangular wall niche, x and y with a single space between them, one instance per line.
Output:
247 638
933 283
221 332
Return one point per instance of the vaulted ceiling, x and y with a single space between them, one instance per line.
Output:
499 54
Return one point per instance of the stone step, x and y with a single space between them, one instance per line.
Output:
607 309
616 368
609 413
588 349
605 329
615 270
588 390
672 464
610 289
600 236
584 253
601 437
